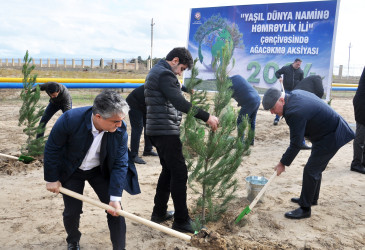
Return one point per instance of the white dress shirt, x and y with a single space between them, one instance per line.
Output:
92 157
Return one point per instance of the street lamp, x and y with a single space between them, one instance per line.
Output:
151 61
348 64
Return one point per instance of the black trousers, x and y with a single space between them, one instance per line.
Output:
312 175
358 145
138 122
173 177
73 207
48 113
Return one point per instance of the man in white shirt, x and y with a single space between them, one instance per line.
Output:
90 144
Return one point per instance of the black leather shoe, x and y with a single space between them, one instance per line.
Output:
296 200
149 153
183 227
138 160
159 219
305 147
359 169
298 213
73 246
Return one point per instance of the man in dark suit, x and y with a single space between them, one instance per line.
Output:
308 116
90 144
247 98
137 118
358 164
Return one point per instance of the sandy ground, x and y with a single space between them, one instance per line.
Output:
31 217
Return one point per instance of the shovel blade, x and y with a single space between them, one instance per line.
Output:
242 214
26 159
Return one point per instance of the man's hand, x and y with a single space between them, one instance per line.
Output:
281 80
213 122
54 187
280 168
116 205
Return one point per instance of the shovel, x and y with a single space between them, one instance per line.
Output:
257 198
126 214
23 158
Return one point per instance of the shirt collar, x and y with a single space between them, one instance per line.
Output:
286 98
93 129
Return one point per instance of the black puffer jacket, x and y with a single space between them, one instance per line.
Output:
165 102
359 100
136 100
312 84
291 76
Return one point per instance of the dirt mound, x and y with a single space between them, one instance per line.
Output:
209 240
11 167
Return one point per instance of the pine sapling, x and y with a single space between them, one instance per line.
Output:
214 157
31 112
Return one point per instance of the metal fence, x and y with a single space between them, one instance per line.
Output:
128 64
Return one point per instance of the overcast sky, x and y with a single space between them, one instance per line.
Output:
122 29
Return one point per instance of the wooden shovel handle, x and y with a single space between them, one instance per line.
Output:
10 156
126 214
253 203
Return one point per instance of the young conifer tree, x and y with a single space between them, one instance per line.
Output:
31 112
214 157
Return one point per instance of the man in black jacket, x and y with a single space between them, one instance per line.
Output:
307 115
358 164
165 103
312 84
293 74
60 99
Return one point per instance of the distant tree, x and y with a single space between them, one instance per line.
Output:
139 58
214 157
156 60
31 112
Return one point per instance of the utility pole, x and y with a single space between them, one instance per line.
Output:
151 60
348 64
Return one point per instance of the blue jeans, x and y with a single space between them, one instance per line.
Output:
48 113
73 207
137 120
251 112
